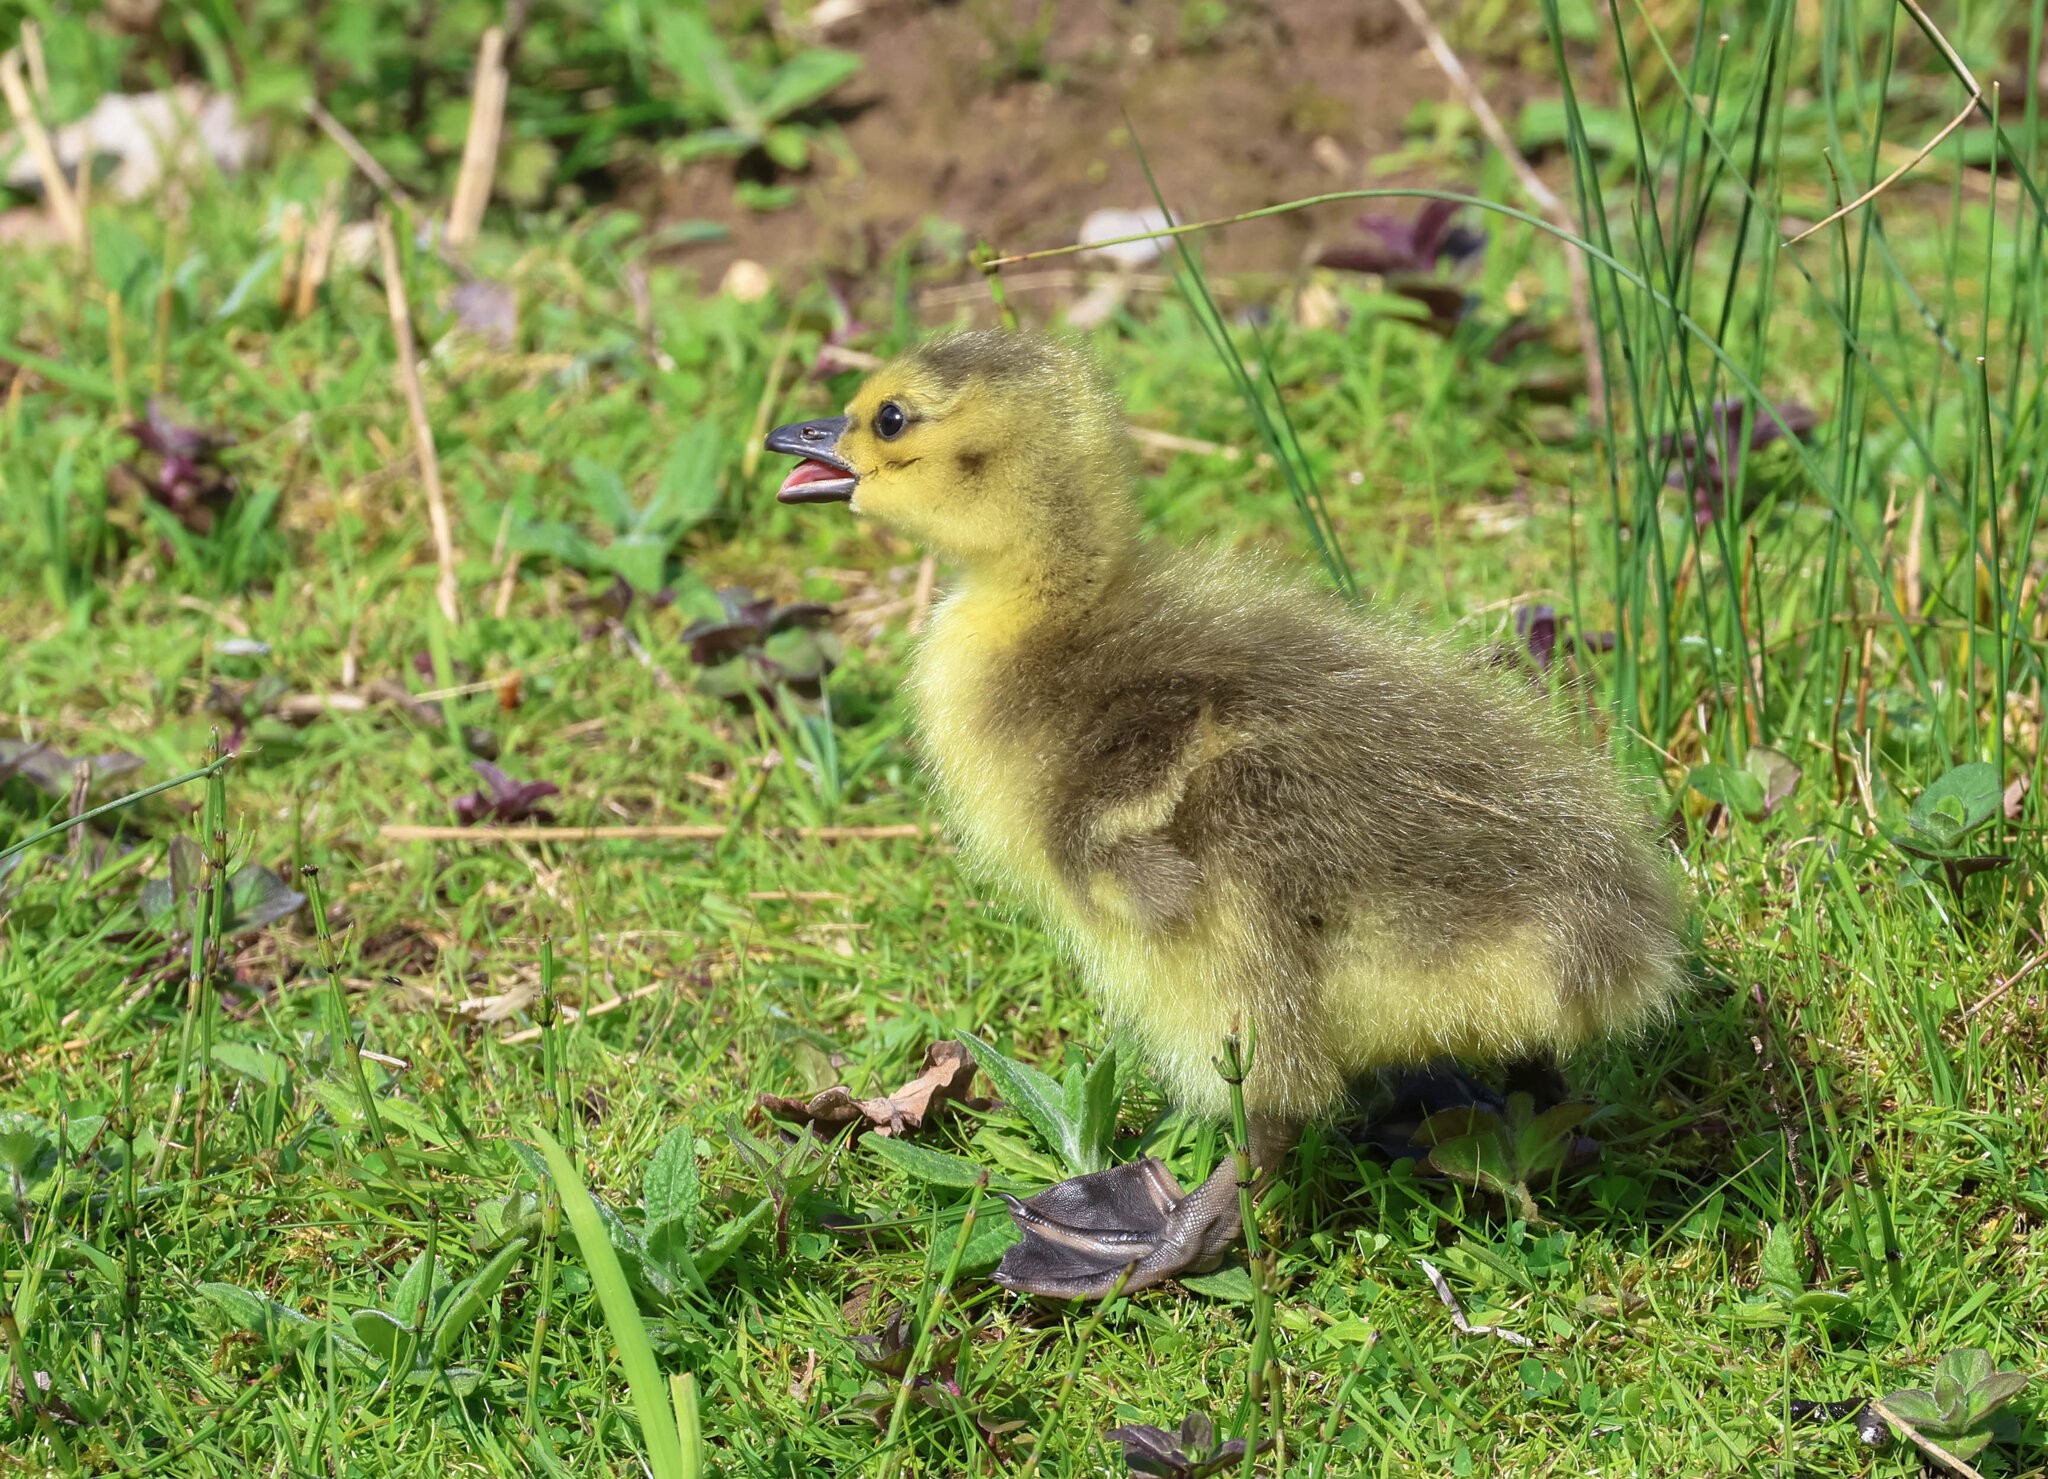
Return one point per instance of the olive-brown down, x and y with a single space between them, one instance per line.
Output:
1240 802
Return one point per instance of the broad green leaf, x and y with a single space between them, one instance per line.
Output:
1036 1097
1476 1160
1780 1266
708 143
688 492
934 1166
1737 790
1776 773
1769 1312
1019 1159
605 493
1967 1446
788 146
384 1336
804 79
1917 1406
1098 1111
671 1192
1455 1123
167 902
280 1328
993 1236
414 1289
726 1241
638 559
1965 1367
562 543
78 1247
1994 1391
693 52
257 896
1542 1144
28 1147
253 1061
670 1248
1959 801
1824 1304
1231 1283
471 1295
411 1118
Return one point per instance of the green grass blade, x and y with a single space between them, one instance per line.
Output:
666 1456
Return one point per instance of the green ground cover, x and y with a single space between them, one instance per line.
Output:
234 1243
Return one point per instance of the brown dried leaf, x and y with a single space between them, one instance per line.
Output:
948 1071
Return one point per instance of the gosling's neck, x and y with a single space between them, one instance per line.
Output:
1030 591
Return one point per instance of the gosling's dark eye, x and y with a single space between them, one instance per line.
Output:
890 421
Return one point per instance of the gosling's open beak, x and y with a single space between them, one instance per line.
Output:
821 477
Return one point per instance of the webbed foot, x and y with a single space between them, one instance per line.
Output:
1080 1235
1400 1099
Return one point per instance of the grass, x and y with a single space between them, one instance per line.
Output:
1851 1100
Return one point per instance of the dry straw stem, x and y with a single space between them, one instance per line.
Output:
63 204
415 832
38 67
1998 992
570 1015
1532 185
480 146
319 250
360 157
1976 101
291 241
422 430
1442 1286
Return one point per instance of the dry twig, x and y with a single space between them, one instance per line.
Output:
1924 1443
1442 1286
447 590
1997 993
360 157
571 1014
411 832
319 249
1975 103
63 204
480 146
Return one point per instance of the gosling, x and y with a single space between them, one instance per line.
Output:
1241 804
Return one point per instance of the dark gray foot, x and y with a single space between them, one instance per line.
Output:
1081 1235
1399 1100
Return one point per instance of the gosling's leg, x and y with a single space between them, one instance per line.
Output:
1081 1234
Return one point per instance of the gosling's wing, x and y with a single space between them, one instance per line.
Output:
1117 832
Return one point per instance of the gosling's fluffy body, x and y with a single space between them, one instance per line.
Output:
1237 800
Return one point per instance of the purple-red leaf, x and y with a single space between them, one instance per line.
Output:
1412 244
179 467
1707 470
1191 1453
508 801
1537 627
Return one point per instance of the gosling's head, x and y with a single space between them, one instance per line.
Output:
1002 450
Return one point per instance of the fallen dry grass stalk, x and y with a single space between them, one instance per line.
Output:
56 189
480 145
446 589
419 832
